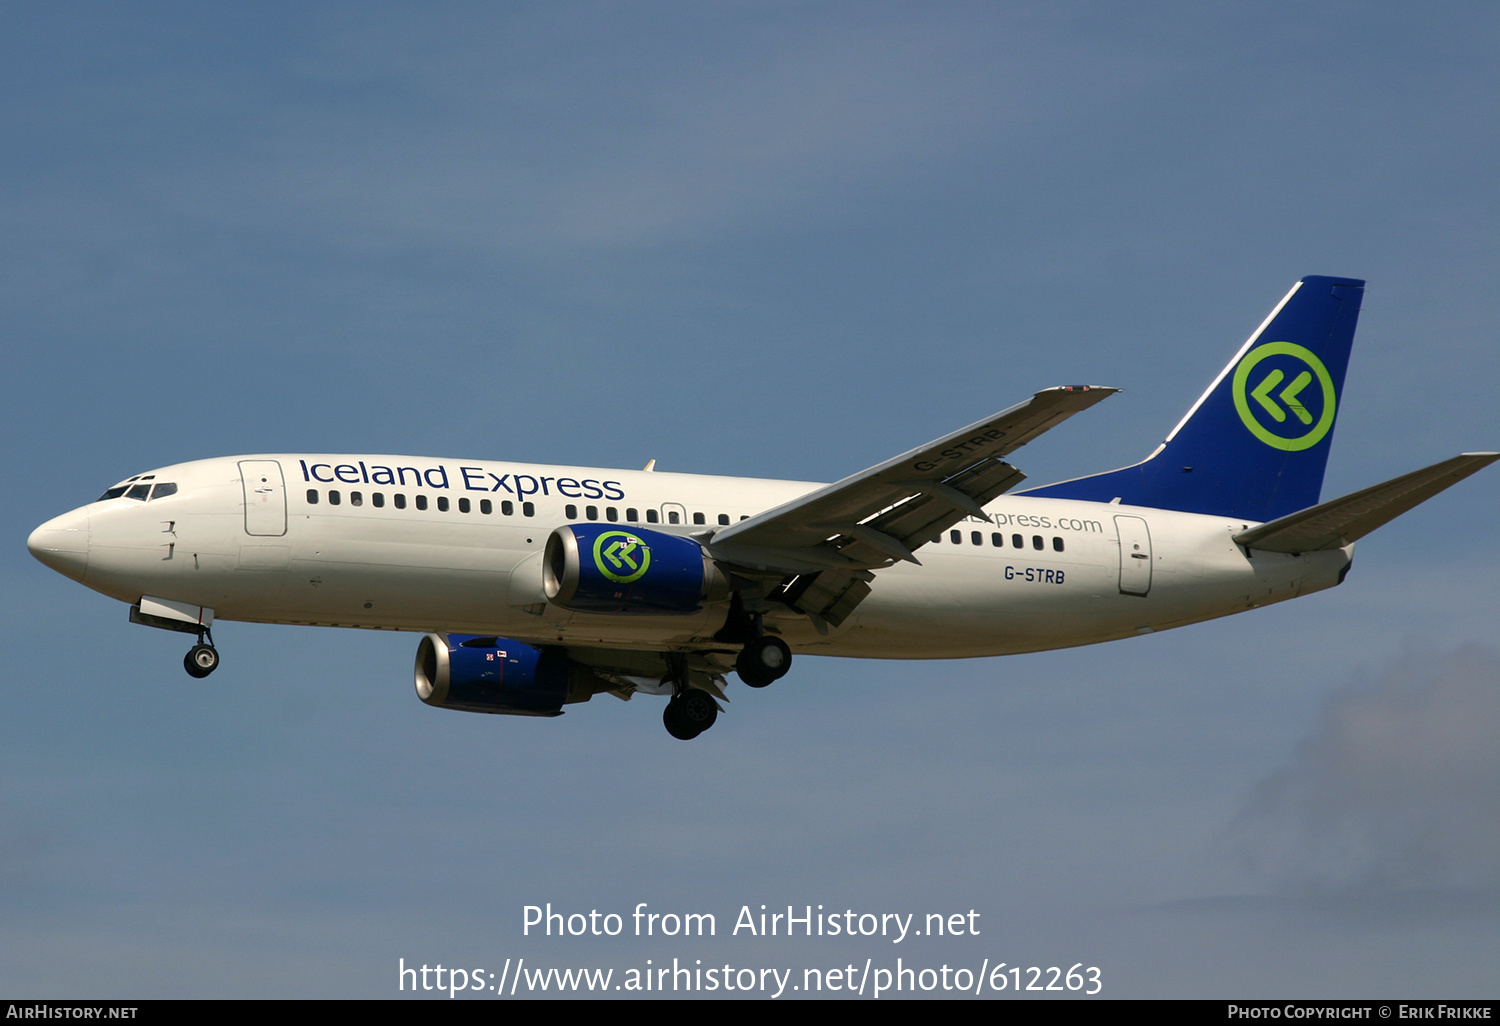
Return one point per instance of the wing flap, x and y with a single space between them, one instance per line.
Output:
830 595
1334 524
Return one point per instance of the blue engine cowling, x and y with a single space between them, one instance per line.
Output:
491 675
609 568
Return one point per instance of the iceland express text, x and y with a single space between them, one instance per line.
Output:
472 479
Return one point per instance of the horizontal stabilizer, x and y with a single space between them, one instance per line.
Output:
1332 525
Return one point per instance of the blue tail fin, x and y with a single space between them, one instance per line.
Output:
1255 445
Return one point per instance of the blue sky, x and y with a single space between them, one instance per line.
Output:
781 240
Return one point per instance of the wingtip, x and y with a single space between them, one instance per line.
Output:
1102 389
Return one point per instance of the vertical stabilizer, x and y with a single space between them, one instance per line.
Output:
1255 445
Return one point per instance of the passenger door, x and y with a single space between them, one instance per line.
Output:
265 498
1135 555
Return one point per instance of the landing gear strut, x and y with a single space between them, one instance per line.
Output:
763 660
202 659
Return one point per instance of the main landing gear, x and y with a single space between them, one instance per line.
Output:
763 660
764 657
689 713
691 710
202 659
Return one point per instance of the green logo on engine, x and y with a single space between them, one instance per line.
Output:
621 556
1284 389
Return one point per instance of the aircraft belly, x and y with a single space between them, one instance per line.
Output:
356 571
977 610
979 606
405 597
685 631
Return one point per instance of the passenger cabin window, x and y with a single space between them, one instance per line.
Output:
652 516
1017 542
997 540
698 518
956 537
463 505
723 518
976 538
377 499
421 502
334 498
632 514
442 503
611 514
486 507
1057 544
399 500
1037 543
356 499
528 509
672 516
312 496
592 512
507 507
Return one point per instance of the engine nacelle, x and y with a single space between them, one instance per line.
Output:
497 675
603 568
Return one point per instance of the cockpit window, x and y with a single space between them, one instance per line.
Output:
139 487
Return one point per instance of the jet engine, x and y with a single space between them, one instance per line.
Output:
497 675
604 568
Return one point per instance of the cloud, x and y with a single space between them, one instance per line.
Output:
1396 789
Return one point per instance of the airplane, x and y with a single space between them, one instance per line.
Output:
535 587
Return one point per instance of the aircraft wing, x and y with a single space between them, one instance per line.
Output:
1332 525
831 538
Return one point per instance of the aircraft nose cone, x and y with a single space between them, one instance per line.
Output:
63 544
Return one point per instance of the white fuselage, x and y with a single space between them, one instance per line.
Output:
300 539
